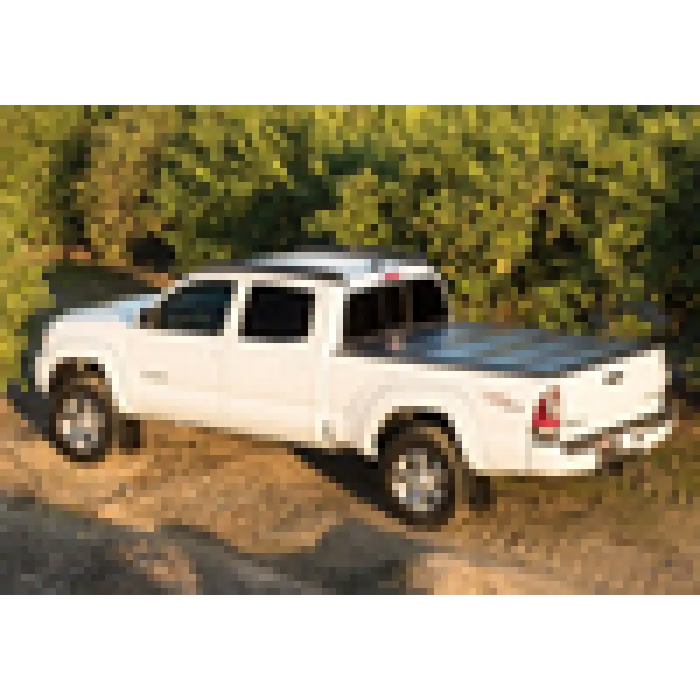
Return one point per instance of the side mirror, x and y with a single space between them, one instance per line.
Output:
148 317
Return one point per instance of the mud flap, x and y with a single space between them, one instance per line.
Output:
130 436
477 491
611 461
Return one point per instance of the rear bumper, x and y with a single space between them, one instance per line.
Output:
593 451
631 436
644 437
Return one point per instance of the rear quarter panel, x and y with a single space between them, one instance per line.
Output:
493 434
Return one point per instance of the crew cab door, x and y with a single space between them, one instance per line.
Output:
175 353
272 370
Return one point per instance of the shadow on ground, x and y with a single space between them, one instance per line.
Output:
31 405
363 479
358 476
47 549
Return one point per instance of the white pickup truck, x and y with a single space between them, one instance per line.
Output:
353 350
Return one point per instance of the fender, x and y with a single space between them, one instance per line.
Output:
106 355
455 405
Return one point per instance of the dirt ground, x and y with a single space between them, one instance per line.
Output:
199 511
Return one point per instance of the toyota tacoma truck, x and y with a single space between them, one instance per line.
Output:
358 351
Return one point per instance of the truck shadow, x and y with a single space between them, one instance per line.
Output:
353 473
31 406
363 478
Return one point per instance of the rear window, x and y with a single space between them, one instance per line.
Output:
393 307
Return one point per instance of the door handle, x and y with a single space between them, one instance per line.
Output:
155 376
612 378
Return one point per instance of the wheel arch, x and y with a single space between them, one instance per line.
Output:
67 369
402 418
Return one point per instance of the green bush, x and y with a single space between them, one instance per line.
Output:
557 216
30 141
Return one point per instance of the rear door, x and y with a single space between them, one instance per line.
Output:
272 370
369 315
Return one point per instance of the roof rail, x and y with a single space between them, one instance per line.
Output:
362 251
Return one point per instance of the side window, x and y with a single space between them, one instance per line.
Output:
202 307
428 302
278 314
363 315
372 312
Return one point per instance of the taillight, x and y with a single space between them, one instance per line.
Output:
545 416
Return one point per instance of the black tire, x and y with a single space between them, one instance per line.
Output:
90 395
451 475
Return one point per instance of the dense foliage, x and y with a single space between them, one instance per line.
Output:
561 216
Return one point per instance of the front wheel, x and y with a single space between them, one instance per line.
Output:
82 422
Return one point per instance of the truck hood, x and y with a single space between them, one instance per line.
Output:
122 311
489 347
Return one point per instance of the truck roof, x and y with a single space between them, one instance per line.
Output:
333 265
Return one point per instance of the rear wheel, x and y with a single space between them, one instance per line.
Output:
424 476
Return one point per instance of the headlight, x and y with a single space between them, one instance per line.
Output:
47 333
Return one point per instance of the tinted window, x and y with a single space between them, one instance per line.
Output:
393 307
201 307
279 314
428 303
372 312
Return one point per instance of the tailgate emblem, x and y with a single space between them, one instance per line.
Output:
612 378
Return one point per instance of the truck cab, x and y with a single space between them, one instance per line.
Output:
248 346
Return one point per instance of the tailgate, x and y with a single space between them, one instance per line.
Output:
609 394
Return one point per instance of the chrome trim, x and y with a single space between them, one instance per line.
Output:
589 442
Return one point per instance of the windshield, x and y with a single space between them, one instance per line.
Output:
398 307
